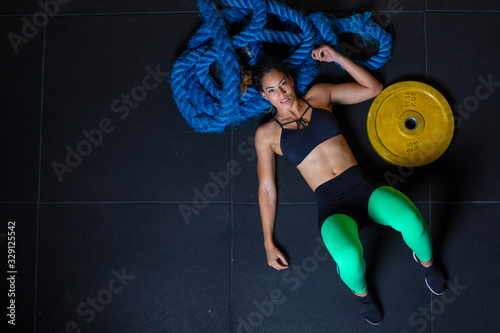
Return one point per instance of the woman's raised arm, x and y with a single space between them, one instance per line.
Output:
365 87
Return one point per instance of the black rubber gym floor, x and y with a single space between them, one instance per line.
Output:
100 240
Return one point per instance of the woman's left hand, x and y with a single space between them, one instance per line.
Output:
325 53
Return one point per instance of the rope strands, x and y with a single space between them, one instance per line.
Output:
205 79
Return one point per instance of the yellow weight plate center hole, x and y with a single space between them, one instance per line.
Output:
411 123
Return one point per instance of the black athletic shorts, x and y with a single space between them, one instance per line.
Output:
348 194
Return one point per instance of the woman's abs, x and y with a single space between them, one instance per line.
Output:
328 160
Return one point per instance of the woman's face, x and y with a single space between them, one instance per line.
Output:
278 89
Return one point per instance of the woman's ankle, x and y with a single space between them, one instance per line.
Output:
364 294
427 264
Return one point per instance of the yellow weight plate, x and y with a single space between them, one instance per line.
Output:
410 124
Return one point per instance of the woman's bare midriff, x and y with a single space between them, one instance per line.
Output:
328 160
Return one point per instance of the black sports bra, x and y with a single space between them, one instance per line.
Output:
296 144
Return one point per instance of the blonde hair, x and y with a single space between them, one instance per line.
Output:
245 80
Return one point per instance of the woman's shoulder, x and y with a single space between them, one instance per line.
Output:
320 89
266 133
266 129
319 95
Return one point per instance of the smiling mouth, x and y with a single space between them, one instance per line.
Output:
285 101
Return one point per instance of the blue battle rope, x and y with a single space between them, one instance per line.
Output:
210 104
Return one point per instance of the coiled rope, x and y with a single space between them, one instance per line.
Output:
210 104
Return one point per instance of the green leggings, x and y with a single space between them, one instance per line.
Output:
386 206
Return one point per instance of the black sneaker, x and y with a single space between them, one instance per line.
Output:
434 278
369 309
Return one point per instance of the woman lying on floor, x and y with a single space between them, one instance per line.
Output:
305 131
